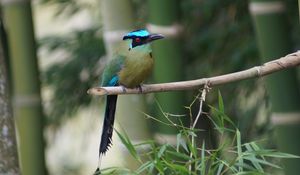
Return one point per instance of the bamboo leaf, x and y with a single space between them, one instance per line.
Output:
220 167
179 155
181 143
115 170
255 164
130 147
203 167
178 138
144 166
219 118
179 168
221 103
162 150
250 173
264 162
245 166
273 153
239 149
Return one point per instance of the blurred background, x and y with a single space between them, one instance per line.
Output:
56 53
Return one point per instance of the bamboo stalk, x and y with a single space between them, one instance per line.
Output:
272 33
27 106
299 8
289 61
169 65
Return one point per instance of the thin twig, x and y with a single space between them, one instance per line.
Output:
201 100
291 60
192 127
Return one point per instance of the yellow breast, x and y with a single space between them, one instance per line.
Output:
136 69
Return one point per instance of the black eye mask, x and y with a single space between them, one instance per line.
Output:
137 41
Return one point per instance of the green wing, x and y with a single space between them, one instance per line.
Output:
110 73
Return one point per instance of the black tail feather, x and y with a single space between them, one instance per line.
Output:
108 124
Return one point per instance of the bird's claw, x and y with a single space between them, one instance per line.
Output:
123 89
140 88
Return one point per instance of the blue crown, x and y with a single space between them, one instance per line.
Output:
137 33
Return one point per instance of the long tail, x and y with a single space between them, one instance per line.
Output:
109 118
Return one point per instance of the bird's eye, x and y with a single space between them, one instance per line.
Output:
137 40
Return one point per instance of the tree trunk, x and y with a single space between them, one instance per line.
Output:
8 147
26 86
273 40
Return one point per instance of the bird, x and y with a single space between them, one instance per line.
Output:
131 64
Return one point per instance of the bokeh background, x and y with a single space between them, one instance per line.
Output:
75 38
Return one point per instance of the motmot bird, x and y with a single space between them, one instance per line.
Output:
130 66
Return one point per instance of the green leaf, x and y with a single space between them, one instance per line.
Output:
145 166
115 170
179 155
192 148
228 165
179 168
264 162
221 103
245 166
203 167
162 150
181 142
126 141
249 173
218 119
159 166
239 149
220 167
273 153
255 164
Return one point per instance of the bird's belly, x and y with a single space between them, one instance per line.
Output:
134 74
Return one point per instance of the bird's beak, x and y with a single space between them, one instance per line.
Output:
153 37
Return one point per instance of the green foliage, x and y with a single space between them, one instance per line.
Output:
187 158
71 78
126 141
219 38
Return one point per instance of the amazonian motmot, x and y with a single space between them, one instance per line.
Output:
130 66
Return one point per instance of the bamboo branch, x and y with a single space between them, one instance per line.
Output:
192 126
289 61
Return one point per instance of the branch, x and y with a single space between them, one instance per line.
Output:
192 126
291 60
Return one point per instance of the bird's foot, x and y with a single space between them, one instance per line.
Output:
140 88
123 88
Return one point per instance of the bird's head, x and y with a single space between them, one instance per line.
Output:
141 37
